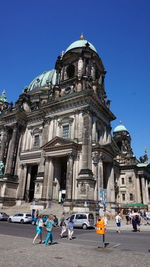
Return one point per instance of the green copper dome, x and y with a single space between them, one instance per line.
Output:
120 128
43 80
80 43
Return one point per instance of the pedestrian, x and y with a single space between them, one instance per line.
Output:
49 226
63 225
70 228
55 220
137 220
134 224
33 216
105 220
39 226
118 222
127 218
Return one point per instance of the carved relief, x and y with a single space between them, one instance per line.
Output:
80 68
83 188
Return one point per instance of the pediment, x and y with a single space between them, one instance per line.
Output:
59 143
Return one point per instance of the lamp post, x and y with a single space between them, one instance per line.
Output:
95 162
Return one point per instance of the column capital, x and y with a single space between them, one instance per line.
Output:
71 156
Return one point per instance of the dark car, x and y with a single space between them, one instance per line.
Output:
3 216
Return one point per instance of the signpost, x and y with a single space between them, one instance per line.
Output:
103 197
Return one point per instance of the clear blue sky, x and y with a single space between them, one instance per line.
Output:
33 33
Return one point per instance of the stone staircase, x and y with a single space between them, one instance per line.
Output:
54 208
11 210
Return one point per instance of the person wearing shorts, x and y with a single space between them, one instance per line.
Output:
118 222
39 227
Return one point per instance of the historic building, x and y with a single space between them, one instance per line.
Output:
56 142
132 182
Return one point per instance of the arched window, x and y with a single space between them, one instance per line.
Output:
123 197
130 180
36 140
66 131
131 197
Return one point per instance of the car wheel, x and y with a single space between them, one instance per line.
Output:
22 221
9 220
84 226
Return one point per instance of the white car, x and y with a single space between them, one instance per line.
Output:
21 218
82 220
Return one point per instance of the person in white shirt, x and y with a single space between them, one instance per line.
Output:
118 222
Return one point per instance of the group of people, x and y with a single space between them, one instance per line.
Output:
50 222
133 218
66 226
39 228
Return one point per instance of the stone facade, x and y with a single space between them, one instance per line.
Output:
132 181
56 142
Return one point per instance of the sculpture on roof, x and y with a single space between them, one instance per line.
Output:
3 97
144 158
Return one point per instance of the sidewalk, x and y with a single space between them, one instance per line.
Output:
17 251
111 225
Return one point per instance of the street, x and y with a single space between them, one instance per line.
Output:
125 241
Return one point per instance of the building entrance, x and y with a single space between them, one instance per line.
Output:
62 192
30 183
60 171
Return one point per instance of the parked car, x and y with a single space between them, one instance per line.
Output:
21 218
3 216
82 220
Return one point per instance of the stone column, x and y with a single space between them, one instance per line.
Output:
50 180
24 140
146 189
143 190
45 181
86 143
22 182
85 181
3 144
110 185
138 198
11 150
76 126
28 179
41 165
45 133
69 178
94 132
100 172
47 190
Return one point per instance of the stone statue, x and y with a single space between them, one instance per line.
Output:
3 97
144 159
80 68
1 167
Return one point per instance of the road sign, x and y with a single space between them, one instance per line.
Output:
103 194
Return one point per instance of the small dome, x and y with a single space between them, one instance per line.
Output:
43 80
120 128
80 43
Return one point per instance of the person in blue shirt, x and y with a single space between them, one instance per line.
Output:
39 226
49 226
